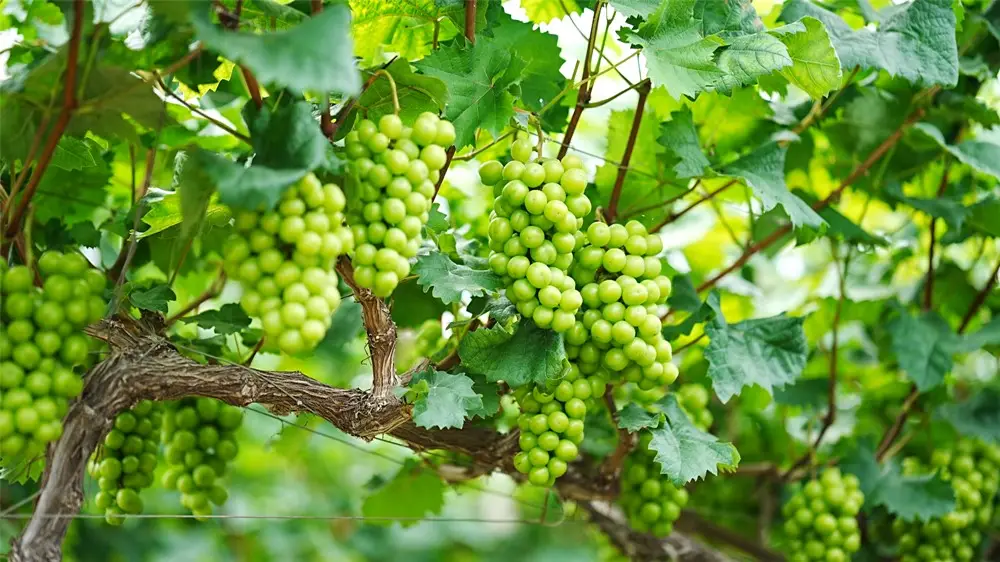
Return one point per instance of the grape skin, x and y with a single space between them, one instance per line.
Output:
43 349
820 518
393 171
650 501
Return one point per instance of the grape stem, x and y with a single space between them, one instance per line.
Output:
392 88
626 441
325 119
929 283
643 89
477 152
470 21
584 94
197 111
674 216
449 155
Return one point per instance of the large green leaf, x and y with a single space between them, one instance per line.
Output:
530 355
680 137
909 497
230 319
544 11
686 453
315 55
72 196
815 66
541 80
445 400
403 27
629 8
413 493
745 58
416 93
916 41
448 280
480 80
767 352
979 416
923 346
981 153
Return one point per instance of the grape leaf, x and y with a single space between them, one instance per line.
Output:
989 334
503 311
745 58
541 80
447 280
805 393
634 417
416 93
922 497
437 221
642 177
420 306
981 153
979 416
916 41
529 355
165 212
230 319
345 327
683 294
316 55
815 67
640 8
764 171
412 494
680 137
72 154
841 227
489 393
705 312
480 80
769 352
449 399
544 11
153 298
923 346
72 196
406 28
686 453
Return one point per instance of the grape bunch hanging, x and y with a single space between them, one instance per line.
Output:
537 214
393 170
284 259
821 518
973 469
42 347
199 436
551 424
126 460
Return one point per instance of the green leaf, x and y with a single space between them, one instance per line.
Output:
416 93
979 416
634 417
705 312
642 176
489 393
541 80
922 497
437 221
72 154
196 192
745 58
414 493
72 196
110 93
503 311
544 11
916 41
815 67
406 28
841 227
989 334
345 327
686 453
166 212
154 298
447 280
316 55
683 294
640 8
764 171
680 137
420 306
480 79
981 153
288 143
230 319
769 352
923 346
448 401
805 393
530 355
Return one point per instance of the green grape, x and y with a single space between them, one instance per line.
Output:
533 233
392 185
284 260
43 349
199 439
821 518
649 499
971 466
125 462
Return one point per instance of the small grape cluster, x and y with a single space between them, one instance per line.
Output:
972 469
125 463
551 423
821 518
620 327
650 501
694 399
41 344
284 259
534 229
199 438
394 169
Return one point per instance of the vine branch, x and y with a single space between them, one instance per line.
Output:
979 299
583 96
616 192
470 21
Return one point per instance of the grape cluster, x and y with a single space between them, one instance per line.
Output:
551 423
284 259
394 168
650 501
41 344
622 286
694 399
125 463
820 518
200 441
972 469
534 229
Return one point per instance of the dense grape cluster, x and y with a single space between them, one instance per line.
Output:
125 462
650 501
200 442
284 259
534 229
972 469
821 518
41 343
394 169
619 329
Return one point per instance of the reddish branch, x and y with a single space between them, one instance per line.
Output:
470 21
980 299
449 155
345 110
897 426
69 106
325 120
616 192
929 284
583 96
211 292
612 466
